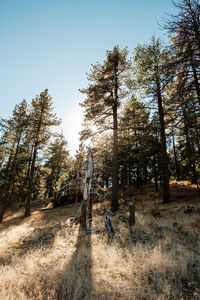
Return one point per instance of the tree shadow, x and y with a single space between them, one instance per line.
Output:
15 221
41 238
45 225
77 280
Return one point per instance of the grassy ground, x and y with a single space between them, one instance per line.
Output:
42 257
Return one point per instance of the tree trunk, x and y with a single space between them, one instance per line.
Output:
155 172
145 174
164 158
115 180
175 159
30 185
2 212
83 215
190 152
106 169
115 204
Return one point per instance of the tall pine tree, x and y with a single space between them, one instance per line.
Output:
103 98
41 119
153 76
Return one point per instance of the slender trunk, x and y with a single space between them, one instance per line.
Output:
32 168
159 171
115 180
25 181
106 169
175 159
13 164
192 164
30 187
155 172
190 150
129 172
145 174
124 175
129 160
138 183
115 204
2 212
6 201
164 158
197 133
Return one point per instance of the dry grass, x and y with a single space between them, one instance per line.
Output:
42 257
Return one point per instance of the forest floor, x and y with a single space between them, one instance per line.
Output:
43 257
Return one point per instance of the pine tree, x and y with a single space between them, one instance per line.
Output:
41 119
12 170
152 76
134 125
57 164
103 98
184 29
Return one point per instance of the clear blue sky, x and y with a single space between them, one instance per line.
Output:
52 43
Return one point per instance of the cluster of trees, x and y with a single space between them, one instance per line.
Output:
32 164
141 117
142 114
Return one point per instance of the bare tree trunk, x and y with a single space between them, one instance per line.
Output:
83 215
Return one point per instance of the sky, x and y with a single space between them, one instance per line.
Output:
52 44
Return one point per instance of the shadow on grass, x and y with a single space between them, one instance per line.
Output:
16 221
77 275
46 226
41 238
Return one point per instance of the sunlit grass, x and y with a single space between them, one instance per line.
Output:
42 257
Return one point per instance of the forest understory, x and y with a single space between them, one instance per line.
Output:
43 257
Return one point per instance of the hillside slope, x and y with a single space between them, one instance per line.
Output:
43 257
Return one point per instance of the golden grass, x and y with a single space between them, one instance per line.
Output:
42 257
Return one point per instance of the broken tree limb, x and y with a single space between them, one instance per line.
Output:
108 225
